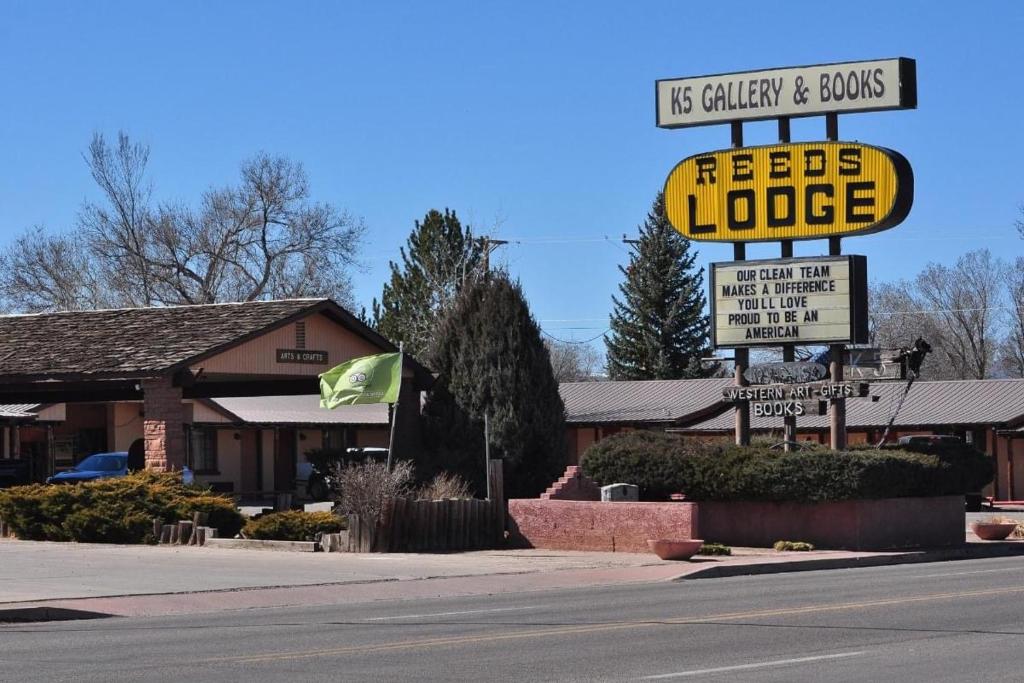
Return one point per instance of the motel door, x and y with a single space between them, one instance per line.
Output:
285 460
251 479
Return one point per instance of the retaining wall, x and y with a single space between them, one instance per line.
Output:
885 524
588 525
850 524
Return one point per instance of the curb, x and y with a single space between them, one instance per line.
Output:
256 544
917 557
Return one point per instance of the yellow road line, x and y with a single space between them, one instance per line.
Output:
609 626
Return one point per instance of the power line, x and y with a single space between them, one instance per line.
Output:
947 310
574 342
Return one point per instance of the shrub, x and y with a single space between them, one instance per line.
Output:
444 486
661 464
654 461
293 525
714 549
368 488
115 510
969 468
796 546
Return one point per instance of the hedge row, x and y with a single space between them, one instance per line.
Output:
661 464
114 510
293 525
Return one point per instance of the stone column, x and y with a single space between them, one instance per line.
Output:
164 425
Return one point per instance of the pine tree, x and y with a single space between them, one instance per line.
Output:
658 328
439 256
490 358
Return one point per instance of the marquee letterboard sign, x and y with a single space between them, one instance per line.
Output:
794 91
789 191
816 300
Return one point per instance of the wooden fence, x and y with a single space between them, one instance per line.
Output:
435 525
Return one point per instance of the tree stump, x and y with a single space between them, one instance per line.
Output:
184 531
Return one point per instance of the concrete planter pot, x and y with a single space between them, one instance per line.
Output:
674 550
992 531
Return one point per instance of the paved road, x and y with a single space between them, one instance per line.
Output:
933 622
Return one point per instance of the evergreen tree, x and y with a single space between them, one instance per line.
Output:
439 256
491 359
658 328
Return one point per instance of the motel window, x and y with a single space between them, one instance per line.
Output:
203 450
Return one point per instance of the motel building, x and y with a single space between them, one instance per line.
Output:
231 390
987 413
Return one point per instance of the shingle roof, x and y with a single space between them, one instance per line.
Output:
639 401
131 340
950 402
301 410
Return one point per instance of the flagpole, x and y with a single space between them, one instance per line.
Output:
394 407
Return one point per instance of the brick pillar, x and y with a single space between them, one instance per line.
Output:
163 427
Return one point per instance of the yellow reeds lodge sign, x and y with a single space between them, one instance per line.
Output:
796 191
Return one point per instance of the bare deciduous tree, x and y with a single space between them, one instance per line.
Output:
573 362
1011 350
964 302
49 272
955 308
262 238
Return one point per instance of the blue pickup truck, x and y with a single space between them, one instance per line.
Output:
101 466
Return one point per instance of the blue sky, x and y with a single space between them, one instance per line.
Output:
534 120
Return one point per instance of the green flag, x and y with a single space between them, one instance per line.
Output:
370 379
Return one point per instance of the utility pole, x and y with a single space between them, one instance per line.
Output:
488 244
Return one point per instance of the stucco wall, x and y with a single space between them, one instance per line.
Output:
376 437
314 438
206 415
126 423
586 525
229 458
259 356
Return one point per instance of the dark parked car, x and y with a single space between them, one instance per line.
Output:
96 466
319 476
972 500
928 439
13 472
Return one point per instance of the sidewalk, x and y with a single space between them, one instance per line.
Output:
43 581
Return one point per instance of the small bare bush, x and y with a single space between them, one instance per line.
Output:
443 486
368 488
